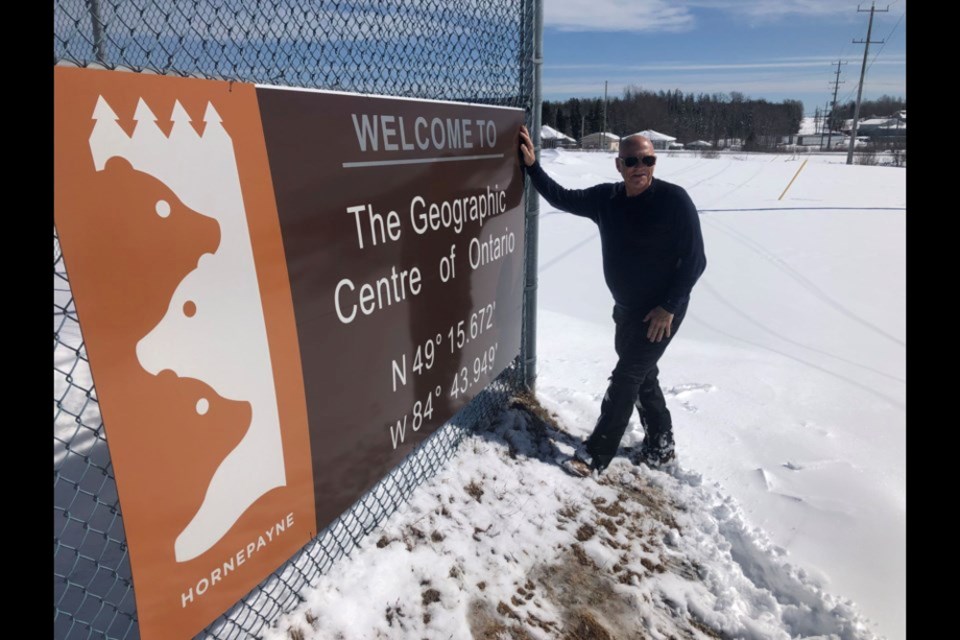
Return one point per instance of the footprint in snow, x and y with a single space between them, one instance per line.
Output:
682 391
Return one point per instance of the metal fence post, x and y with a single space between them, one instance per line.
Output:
533 210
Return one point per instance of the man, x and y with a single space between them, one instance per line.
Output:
652 256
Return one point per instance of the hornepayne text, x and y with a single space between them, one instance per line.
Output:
231 564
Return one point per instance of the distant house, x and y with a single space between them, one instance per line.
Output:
837 141
659 140
606 141
699 144
813 141
550 138
733 144
893 126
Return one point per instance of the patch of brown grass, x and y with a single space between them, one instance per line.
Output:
485 625
585 532
474 490
608 524
568 511
584 626
613 509
504 609
528 402
582 558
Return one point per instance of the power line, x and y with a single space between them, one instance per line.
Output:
884 41
883 44
863 73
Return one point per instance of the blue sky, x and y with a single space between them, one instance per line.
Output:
772 49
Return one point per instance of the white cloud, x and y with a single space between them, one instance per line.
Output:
796 63
678 15
617 15
767 10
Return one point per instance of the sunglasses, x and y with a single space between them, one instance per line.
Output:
632 161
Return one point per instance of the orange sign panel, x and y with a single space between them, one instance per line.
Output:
168 224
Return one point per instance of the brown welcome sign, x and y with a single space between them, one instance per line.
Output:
281 292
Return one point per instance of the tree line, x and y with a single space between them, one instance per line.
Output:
716 117
883 107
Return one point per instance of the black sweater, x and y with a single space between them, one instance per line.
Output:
652 244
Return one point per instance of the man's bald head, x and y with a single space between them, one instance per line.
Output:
636 145
640 176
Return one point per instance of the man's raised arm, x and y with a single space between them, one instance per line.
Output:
581 202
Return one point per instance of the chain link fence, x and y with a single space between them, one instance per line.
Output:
477 51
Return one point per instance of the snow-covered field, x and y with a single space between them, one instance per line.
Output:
787 514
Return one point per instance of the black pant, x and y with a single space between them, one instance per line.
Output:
633 383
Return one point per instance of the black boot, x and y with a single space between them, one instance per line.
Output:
615 412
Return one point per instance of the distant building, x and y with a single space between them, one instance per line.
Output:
606 141
659 140
891 127
550 138
733 144
836 140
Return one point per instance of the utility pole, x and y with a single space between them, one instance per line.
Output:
824 123
863 72
603 134
833 104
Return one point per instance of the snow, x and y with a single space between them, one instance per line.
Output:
786 514
549 133
655 136
810 125
604 135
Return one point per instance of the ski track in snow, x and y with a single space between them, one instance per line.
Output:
710 177
893 401
706 286
782 265
740 185
546 265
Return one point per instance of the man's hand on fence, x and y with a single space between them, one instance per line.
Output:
526 147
